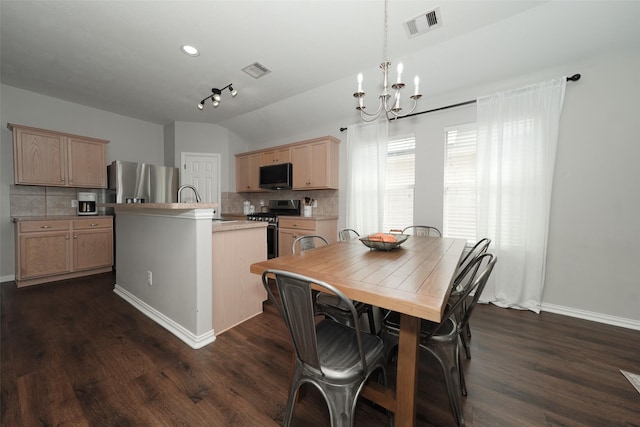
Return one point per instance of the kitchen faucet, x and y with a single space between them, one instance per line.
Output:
195 191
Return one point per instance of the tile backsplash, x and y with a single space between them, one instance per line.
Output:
31 200
231 203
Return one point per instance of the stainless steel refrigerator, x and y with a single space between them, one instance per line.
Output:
131 182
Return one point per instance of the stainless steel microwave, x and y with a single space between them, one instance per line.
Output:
276 177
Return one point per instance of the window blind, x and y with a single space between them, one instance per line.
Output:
460 183
400 184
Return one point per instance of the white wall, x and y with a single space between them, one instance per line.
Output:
592 267
131 139
203 138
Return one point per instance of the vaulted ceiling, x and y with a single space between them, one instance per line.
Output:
125 57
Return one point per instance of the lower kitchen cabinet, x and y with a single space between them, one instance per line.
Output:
49 250
293 227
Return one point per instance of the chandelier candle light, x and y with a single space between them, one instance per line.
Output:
391 108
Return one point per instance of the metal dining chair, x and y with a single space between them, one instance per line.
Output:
422 230
328 304
479 248
336 358
347 234
307 242
441 339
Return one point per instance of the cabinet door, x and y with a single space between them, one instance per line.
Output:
44 254
92 249
248 172
285 240
86 163
271 157
300 160
242 174
39 158
319 164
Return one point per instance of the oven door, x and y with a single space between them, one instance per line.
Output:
272 241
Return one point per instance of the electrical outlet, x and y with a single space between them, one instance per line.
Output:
74 203
149 278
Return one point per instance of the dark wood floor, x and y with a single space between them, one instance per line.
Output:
75 354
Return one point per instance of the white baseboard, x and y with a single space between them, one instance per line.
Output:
593 316
9 278
193 341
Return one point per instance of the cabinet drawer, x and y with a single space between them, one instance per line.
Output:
298 224
90 224
39 226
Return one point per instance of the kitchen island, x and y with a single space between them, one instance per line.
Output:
186 270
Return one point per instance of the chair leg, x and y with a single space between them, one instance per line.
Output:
465 343
463 384
447 356
372 320
342 404
293 392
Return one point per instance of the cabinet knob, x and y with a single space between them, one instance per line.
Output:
66 237
45 226
75 236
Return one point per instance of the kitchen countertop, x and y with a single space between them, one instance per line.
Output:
54 217
219 226
142 206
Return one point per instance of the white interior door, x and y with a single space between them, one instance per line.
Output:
202 170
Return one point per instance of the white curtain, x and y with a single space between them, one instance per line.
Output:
516 151
366 161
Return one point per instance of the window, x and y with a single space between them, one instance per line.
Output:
459 217
400 183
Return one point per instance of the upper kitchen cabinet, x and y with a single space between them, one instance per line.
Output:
50 158
315 164
248 172
277 155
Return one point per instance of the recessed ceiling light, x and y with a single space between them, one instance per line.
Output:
189 50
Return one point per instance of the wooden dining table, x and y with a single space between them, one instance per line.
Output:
414 279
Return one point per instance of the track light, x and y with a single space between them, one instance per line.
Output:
215 96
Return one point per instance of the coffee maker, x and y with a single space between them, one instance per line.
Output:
87 204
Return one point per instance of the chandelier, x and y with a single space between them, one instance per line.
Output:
215 97
388 104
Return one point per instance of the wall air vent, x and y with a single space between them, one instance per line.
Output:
256 70
425 22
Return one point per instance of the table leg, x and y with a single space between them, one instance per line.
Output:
407 377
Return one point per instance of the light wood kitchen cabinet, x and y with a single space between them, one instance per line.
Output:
49 158
49 250
248 172
275 156
290 228
44 249
315 164
92 243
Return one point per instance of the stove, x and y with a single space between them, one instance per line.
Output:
271 218
288 207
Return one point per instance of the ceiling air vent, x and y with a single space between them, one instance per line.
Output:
256 70
425 22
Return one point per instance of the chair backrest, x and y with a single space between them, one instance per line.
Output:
462 278
422 230
296 306
307 242
478 284
347 233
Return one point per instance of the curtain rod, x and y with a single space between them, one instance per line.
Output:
573 78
